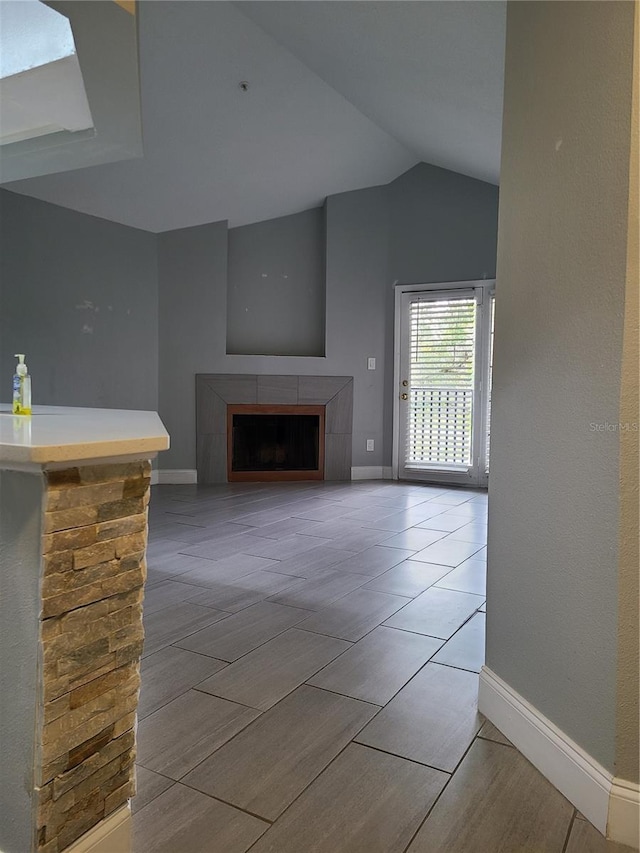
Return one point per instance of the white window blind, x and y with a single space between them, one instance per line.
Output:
490 383
441 381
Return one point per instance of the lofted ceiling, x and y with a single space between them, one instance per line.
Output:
341 95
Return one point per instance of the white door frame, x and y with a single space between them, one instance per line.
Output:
488 286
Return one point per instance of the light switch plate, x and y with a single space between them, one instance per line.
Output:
371 364
370 444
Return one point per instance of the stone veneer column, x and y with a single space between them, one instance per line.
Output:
94 530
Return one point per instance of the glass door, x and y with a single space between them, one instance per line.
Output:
444 368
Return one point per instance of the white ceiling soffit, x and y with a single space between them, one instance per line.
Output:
31 35
41 87
429 73
46 99
71 105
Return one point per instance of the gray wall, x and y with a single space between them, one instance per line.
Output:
276 286
443 226
192 265
553 509
192 284
20 535
628 694
357 302
78 295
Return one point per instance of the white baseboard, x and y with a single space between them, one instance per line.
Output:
372 472
112 835
174 476
611 805
624 813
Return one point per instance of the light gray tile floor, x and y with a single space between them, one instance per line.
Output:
310 679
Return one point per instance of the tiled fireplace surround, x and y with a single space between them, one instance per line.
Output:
215 390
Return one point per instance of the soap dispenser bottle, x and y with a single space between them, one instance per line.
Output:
21 388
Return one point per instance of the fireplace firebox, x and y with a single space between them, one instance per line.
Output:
275 442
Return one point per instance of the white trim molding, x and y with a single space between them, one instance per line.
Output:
623 824
372 472
611 805
111 835
174 476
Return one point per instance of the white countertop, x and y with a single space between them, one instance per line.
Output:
53 434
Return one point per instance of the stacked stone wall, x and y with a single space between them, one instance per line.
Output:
91 636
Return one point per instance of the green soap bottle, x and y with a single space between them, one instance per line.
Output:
21 388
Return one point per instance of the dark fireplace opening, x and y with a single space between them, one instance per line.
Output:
275 442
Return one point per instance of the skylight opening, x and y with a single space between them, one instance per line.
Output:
31 35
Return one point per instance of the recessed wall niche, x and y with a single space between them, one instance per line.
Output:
276 286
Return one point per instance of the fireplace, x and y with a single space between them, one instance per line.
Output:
269 442
217 393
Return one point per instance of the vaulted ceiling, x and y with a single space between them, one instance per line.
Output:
341 95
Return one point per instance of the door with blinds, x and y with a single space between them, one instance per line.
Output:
444 385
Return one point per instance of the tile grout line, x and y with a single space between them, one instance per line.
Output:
444 788
569 831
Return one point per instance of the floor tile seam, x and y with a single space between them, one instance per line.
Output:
215 535
444 788
453 666
265 820
318 775
187 601
402 547
173 643
491 740
452 537
157 772
282 506
307 683
210 559
261 714
569 830
372 578
466 621
333 636
357 589
418 594
441 565
407 682
402 686
220 746
264 710
199 689
213 538
416 633
246 606
160 522
263 643
175 578
326 604
409 631
402 757
301 554
229 557
470 557
203 606
180 696
193 687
